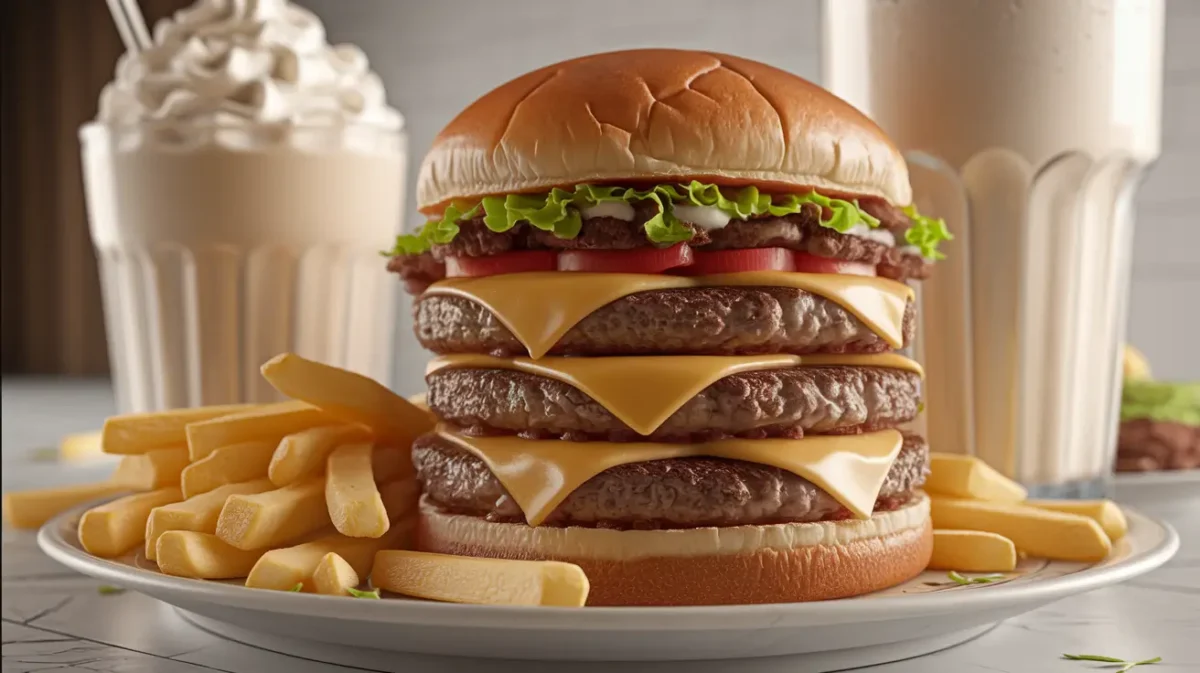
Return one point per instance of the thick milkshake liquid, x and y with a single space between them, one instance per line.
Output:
241 178
1033 122
215 259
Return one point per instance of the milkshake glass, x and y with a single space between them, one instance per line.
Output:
241 178
1028 126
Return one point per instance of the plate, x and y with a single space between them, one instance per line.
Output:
1151 487
928 613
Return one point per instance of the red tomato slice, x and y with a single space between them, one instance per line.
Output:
735 261
506 262
807 263
640 260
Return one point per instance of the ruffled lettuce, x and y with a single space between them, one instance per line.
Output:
558 212
440 231
1161 401
926 233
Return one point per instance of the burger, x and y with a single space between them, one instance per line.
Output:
666 290
1160 420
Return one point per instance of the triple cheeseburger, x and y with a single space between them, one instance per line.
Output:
665 289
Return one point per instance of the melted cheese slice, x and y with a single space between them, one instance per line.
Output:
540 474
643 391
540 307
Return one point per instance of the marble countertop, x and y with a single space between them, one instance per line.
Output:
56 620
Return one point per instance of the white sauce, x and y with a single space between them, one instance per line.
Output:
615 209
703 217
878 234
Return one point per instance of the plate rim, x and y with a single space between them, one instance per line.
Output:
674 618
1156 477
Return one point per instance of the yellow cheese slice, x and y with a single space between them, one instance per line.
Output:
539 474
540 307
643 391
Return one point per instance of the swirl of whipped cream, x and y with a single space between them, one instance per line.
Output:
237 63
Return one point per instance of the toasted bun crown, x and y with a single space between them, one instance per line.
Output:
660 115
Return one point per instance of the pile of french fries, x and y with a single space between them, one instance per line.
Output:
315 494
982 520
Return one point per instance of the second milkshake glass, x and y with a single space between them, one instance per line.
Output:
1028 127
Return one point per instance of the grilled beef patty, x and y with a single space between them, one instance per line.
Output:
671 493
770 403
688 321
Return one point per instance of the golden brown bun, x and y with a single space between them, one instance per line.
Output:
655 115
782 563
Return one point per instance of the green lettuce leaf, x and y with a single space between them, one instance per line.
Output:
926 233
558 212
439 231
1161 401
748 202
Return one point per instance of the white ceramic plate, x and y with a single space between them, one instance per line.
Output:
1150 487
924 615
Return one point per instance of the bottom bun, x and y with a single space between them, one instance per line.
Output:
779 563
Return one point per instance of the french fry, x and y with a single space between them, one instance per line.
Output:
972 551
400 497
463 579
274 517
282 569
267 423
202 556
348 396
80 448
355 507
969 477
1104 512
31 509
333 576
197 514
227 465
132 434
1037 532
390 462
114 528
154 469
302 454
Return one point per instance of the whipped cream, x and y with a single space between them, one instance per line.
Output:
242 64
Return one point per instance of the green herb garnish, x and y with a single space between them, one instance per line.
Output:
109 590
982 579
1125 665
299 587
373 593
558 212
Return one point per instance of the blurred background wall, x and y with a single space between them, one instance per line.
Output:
438 56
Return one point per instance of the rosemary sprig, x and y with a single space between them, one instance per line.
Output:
1125 665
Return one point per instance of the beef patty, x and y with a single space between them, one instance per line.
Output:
801 231
671 493
770 403
1145 444
688 321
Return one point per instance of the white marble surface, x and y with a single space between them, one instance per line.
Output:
55 620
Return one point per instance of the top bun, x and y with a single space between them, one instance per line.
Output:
660 115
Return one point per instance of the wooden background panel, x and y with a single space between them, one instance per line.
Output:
57 55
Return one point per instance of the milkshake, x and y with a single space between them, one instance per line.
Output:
240 177
1028 126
